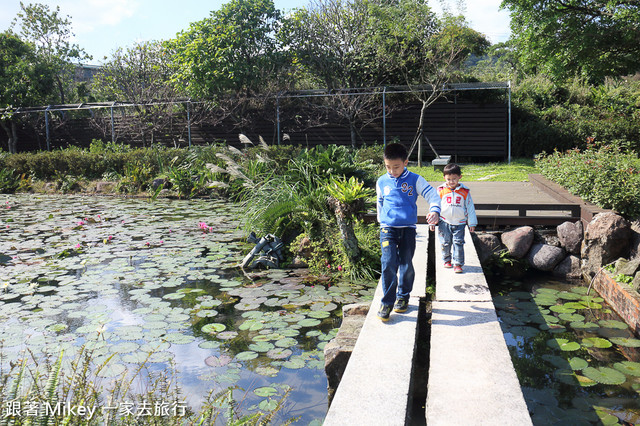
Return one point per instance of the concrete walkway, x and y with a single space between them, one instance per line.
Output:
376 385
471 376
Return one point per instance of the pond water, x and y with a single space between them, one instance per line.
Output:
577 362
157 283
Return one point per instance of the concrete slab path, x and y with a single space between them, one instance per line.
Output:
376 385
471 377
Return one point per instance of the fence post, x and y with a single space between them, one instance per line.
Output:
278 118
384 116
509 124
113 130
46 123
189 121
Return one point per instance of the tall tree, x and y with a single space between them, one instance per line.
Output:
140 75
234 50
425 51
588 38
331 42
50 33
23 82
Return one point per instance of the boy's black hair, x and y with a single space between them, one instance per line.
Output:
395 151
452 169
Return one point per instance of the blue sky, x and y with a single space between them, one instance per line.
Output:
101 26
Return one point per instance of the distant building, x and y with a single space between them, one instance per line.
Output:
85 72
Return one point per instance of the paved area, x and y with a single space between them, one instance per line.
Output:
499 192
376 385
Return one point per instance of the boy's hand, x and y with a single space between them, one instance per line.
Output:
472 229
433 218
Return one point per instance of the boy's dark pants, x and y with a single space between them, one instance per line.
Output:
398 246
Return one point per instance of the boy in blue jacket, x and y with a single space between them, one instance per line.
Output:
397 192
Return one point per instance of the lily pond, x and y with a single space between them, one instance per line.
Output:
577 362
157 283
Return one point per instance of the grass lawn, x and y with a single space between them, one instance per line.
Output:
517 171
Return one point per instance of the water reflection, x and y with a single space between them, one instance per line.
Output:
148 277
577 362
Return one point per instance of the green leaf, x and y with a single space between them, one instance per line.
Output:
604 375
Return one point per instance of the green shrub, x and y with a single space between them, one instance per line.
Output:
606 176
9 181
548 116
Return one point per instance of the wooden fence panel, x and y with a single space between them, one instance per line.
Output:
467 130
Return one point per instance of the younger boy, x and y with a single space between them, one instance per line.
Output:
457 211
397 193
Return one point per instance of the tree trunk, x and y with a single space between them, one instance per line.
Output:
12 135
352 128
349 239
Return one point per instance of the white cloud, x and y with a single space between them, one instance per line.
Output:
484 16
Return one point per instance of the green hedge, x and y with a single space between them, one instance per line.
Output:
88 164
607 176
548 116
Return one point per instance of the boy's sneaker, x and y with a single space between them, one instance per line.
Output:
457 269
384 312
447 265
401 305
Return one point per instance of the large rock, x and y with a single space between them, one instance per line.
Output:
486 245
518 241
627 267
635 239
338 351
545 257
606 238
570 236
636 282
568 269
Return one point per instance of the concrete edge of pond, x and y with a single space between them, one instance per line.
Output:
375 388
471 375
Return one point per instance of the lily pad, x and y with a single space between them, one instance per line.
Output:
246 356
218 361
628 367
265 391
294 364
571 317
613 324
309 322
287 342
604 375
111 370
626 342
597 342
562 309
578 363
214 327
563 344
261 346
279 353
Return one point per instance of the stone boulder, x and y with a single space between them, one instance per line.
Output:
627 267
568 269
606 238
545 257
636 282
338 351
105 187
570 236
635 239
518 241
486 245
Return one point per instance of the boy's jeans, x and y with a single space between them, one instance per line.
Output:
452 235
398 246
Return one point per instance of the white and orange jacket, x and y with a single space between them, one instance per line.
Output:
457 206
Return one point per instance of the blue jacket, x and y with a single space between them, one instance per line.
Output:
397 199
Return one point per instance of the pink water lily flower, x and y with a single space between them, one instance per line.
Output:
78 246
